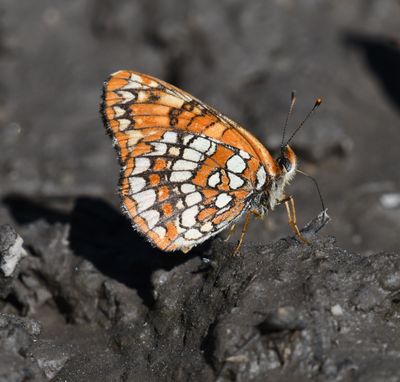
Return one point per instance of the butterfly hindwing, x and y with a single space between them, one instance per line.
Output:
178 195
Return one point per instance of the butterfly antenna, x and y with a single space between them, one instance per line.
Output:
292 102
315 107
316 184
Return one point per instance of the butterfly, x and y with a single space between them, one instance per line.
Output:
187 171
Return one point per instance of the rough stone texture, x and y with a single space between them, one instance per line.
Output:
11 250
279 312
92 301
16 339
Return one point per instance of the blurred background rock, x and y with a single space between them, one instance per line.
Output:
243 58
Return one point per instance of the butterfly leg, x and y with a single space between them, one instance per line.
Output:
291 213
231 231
243 234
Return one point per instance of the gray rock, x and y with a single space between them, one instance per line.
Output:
17 336
11 250
283 310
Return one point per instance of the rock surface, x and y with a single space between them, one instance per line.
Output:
278 312
11 250
92 300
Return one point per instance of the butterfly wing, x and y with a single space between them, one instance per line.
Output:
187 171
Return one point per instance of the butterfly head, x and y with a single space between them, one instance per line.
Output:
287 163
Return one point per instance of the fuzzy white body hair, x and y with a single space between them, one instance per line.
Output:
276 192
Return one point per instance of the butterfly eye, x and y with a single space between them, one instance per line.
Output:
284 163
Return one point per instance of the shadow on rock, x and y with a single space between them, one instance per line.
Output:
382 55
102 235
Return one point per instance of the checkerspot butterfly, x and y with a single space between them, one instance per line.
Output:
187 171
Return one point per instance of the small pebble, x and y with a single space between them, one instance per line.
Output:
390 200
390 281
283 318
337 310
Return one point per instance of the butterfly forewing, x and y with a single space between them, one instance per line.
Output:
187 170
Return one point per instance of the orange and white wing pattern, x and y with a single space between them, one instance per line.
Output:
187 171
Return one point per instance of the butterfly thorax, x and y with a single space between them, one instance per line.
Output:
274 190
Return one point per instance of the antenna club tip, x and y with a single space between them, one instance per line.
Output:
318 101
